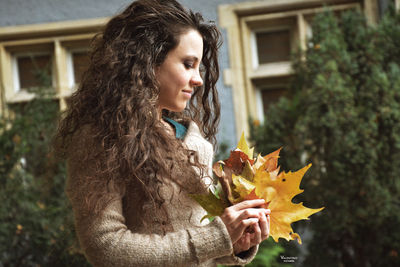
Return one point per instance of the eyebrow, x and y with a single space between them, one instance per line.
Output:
192 57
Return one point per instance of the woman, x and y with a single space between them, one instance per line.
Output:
133 139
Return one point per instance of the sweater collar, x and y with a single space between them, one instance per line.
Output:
192 131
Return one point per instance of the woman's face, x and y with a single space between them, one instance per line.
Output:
179 74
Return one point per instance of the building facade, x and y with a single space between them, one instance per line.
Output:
255 57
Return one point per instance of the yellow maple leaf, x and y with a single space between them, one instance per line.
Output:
278 193
242 146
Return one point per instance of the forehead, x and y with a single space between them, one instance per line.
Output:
191 43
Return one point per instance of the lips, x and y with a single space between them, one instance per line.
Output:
188 93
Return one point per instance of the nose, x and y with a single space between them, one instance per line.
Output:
196 79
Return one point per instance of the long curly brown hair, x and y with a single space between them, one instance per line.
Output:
118 96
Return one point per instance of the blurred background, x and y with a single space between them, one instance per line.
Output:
319 78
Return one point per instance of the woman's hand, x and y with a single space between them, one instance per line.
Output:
259 233
239 217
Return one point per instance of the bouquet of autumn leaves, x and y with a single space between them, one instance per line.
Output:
243 177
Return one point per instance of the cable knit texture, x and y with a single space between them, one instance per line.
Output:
124 234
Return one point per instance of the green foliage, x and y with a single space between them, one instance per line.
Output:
344 117
268 255
35 220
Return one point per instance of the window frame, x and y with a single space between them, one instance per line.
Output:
239 21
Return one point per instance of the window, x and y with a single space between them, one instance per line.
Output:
33 70
261 39
272 46
268 92
53 56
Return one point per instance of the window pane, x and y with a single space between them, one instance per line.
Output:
273 46
80 64
271 96
35 71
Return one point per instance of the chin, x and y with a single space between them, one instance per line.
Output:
179 108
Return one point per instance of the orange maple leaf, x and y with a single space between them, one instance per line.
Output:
237 160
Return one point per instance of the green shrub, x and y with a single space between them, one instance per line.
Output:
35 219
343 115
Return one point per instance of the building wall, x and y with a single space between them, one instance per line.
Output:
234 86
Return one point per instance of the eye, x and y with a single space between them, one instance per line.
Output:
188 64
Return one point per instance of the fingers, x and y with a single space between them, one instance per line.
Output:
264 226
243 244
252 213
233 217
259 231
256 235
243 224
248 240
237 218
248 204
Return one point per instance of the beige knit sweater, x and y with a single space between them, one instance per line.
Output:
125 235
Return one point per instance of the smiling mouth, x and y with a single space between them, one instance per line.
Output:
187 94
188 91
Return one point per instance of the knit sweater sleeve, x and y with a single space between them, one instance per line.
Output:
242 259
106 240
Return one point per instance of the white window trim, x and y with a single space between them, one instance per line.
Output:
260 106
70 69
70 66
254 48
15 75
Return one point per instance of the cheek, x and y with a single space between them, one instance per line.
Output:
180 79
173 80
